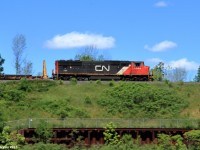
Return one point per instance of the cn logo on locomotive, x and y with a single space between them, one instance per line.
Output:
102 68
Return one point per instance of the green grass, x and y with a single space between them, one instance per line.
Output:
49 99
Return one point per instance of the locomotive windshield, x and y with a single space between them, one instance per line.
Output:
137 64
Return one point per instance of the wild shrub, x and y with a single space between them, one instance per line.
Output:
77 140
188 95
98 81
112 83
42 85
47 83
88 100
193 139
188 124
43 131
80 113
61 82
127 139
62 108
34 85
198 124
24 85
11 138
62 113
136 99
14 95
43 89
44 146
2 118
2 89
165 142
73 81
170 84
180 83
111 136
166 81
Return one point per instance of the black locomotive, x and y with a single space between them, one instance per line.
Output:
103 70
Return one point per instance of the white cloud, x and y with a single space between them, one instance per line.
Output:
76 39
184 63
180 63
161 4
162 46
155 60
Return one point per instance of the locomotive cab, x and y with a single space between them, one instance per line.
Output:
137 71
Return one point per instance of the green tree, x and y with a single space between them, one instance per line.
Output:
197 77
18 47
164 141
28 67
158 72
88 54
175 74
193 139
168 142
127 142
179 74
110 135
1 64
43 131
178 140
8 138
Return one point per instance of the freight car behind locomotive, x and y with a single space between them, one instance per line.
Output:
103 70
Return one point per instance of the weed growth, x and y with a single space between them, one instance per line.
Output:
73 81
98 82
88 100
138 100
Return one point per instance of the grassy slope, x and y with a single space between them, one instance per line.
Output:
191 93
76 94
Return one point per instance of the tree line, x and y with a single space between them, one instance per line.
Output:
162 73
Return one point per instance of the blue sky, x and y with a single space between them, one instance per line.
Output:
146 30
